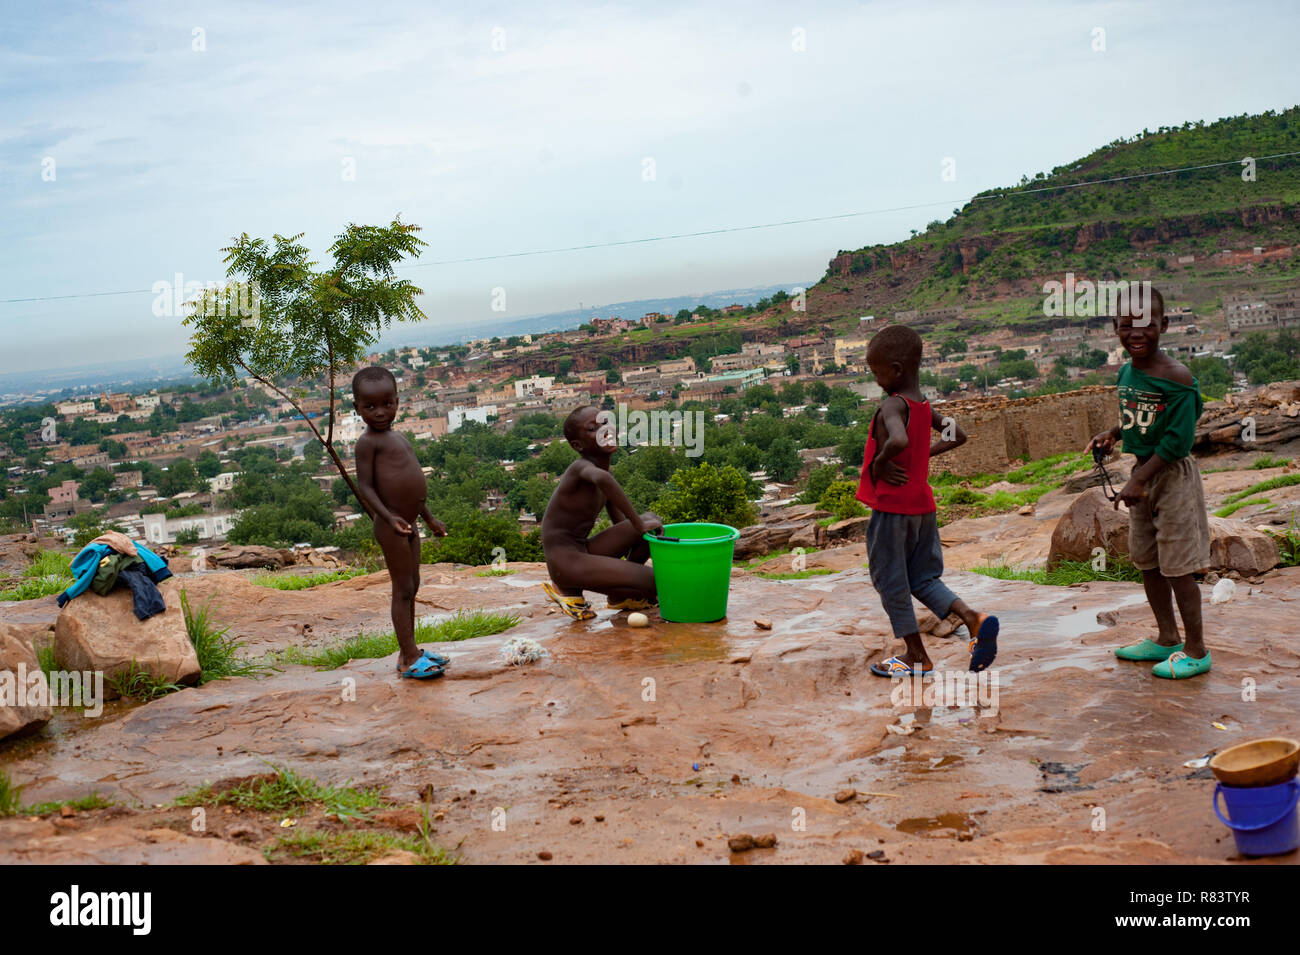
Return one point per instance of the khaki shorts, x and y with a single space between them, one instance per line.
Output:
1170 529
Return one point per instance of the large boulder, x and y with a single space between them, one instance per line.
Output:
1235 545
1274 413
251 556
102 633
759 539
1092 521
24 693
852 529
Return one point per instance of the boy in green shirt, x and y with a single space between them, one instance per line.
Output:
1169 530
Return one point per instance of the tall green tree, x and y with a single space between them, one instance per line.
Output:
281 318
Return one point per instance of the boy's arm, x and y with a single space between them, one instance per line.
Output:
614 494
940 424
883 467
365 455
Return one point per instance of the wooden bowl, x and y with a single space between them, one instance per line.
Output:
1261 762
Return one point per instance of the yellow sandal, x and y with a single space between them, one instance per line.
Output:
574 607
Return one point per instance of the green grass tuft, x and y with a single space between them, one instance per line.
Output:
1229 509
217 651
49 573
294 582
9 794
494 573
356 847
795 574
1269 462
11 803
1068 572
1283 480
286 790
465 625
137 683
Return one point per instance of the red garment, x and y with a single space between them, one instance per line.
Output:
914 497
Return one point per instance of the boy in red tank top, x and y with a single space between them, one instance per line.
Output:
903 550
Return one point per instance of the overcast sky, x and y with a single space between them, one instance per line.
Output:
136 138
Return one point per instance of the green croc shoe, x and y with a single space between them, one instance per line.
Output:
1147 651
1180 666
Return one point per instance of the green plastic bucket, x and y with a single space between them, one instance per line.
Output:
693 572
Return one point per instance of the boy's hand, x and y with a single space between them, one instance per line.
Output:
891 472
400 526
436 527
1132 493
1104 442
651 523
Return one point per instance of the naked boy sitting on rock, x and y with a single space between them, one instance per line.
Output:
613 561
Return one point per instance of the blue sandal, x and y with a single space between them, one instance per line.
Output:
437 659
895 667
984 647
421 669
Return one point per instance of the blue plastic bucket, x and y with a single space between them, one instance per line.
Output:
1263 819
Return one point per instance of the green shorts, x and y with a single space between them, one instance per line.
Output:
1170 529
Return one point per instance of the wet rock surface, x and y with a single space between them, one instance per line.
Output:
612 725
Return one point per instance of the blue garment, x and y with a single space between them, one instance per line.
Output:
145 598
87 561
905 559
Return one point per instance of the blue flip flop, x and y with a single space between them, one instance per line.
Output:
895 667
984 648
437 659
421 669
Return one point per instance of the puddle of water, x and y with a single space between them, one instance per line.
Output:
1079 622
947 820
513 581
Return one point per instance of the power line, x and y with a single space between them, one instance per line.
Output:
731 229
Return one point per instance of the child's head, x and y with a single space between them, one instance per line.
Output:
586 429
1139 319
374 392
894 356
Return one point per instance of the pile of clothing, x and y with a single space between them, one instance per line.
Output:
112 559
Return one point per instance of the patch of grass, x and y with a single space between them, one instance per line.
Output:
49 573
1269 462
286 791
92 801
761 559
1283 480
218 652
11 803
494 573
364 646
137 683
46 658
1229 509
464 625
293 582
796 574
1068 572
49 563
355 847
8 795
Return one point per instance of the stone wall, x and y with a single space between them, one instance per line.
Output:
1001 432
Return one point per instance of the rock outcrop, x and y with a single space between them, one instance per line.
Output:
102 634
1092 521
251 556
1274 419
24 693
759 539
